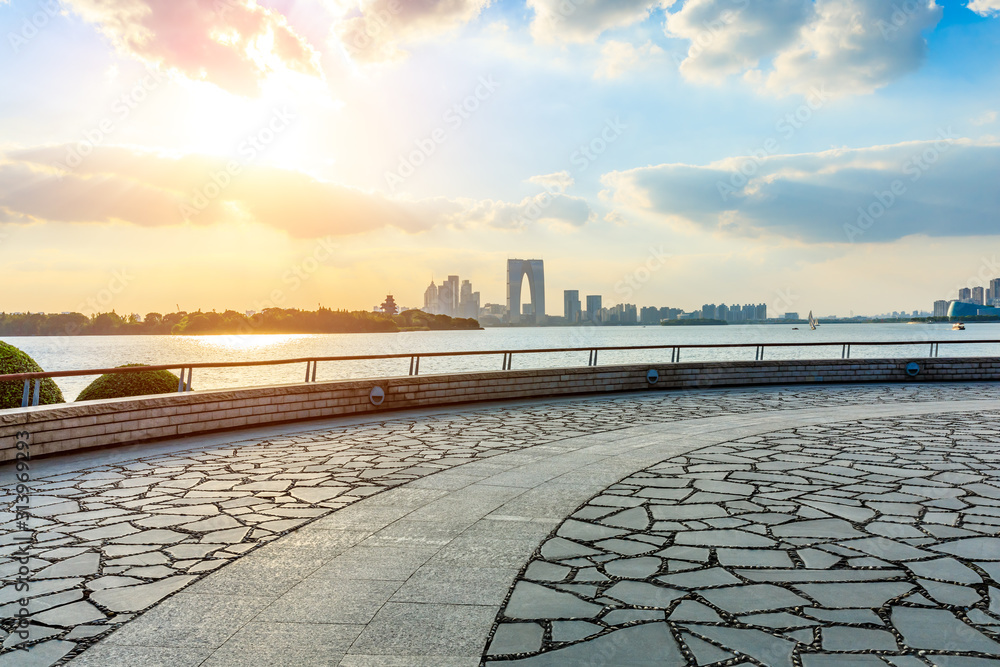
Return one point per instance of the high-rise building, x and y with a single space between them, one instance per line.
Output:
534 269
594 308
431 299
760 312
446 297
649 315
455 294
994 292
965 295
978 297
708 311
941 308
571 305
468 301
722 312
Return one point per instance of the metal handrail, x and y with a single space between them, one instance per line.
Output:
414 357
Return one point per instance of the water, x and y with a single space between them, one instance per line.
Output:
55 353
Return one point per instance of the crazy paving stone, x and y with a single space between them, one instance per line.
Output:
752 597
937 629
532 601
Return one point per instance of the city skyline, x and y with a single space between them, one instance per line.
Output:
293 154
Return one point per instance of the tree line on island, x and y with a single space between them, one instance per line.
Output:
267 321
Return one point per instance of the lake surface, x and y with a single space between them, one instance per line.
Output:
77 352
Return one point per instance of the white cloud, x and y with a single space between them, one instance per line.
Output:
848 47
376 31
985 118
618 58
560 180
985 7
583 21
234 44
114 184
940 187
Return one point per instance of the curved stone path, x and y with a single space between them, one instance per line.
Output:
862 542
126 533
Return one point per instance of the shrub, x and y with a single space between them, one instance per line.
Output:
13 360
123 385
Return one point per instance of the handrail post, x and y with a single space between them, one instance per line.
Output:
187 387
315 364
595 357
180 383
411 365
416 370
38 391
762 353
308 368
27 394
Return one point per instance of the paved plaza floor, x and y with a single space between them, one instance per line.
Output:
847 525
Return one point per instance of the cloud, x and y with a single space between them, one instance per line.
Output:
618 58
558 181
375 31
234 44
119 185
582 21
985 7
985 118
941 187
850 47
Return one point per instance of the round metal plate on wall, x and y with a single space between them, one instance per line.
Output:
913 369
377 395
652 377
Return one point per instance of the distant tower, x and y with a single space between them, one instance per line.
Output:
389 306
431 299
517 269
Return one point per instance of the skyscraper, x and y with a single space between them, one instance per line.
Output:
594 308
965 295
534 269
978 297
571 305
455 298
431 299
994 291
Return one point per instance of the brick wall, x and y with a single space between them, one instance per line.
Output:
130 420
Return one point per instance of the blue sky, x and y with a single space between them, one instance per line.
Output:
321 105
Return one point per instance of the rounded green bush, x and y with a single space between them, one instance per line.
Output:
123 385
13 360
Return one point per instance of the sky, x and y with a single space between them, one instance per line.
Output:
839 156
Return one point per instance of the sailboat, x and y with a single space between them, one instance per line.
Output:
812 321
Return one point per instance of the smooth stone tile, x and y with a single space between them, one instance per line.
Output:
189 620
402 628
330 601
269 644
456 585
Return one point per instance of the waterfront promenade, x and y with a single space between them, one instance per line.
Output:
772 526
